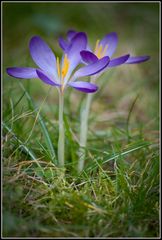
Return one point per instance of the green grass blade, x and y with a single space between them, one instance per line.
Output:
127 151
25 148
117 155
129 115
70 139
42 125
15 105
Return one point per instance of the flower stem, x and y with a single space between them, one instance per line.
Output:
61 131
84 131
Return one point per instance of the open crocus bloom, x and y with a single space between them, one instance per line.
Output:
104 47
59 74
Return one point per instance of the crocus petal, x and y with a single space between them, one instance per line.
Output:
71 34
111 40
84 86
92 69
63 44
78 44
118 61
139 59
88 57
22 72
43 55
46 79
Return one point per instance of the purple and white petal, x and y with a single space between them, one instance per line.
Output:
66 44
22 72
63 44
88 57
43 55
71 34
46 79
84 86
118 61
111 40
78 44
139 59
92 69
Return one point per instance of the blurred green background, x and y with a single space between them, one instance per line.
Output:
137 26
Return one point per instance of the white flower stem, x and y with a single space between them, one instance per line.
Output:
84 131
84 116
61 140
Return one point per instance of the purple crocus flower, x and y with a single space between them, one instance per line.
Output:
57 74
104 47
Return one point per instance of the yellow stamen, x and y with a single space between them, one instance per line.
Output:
99 51
65 66
96 47
58 67
62 71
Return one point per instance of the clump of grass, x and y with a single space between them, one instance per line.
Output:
120 202
117 195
